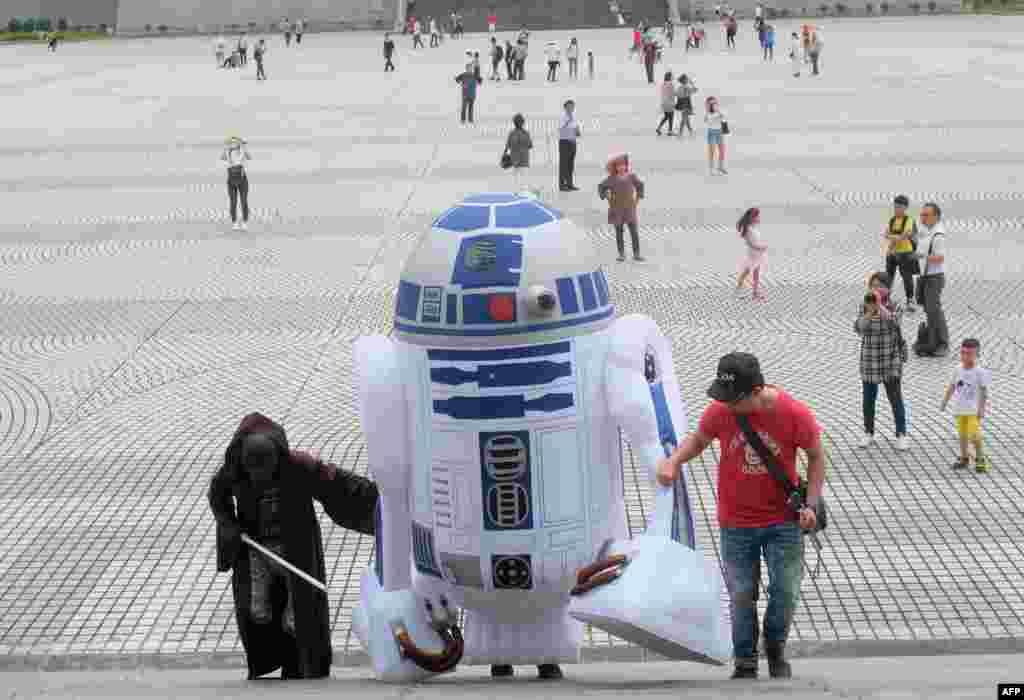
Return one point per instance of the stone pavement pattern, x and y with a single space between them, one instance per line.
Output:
136 328
929 678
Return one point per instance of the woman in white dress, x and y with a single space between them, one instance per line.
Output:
754 254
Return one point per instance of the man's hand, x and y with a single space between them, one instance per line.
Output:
808 518
666 472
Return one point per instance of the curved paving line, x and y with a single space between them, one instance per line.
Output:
25 414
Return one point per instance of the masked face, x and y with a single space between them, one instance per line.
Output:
260 458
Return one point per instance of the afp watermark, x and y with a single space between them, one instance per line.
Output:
1015 691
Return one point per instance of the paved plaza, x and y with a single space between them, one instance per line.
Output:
136 328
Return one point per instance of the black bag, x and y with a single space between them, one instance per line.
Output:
725 127
506 160
922 335
796 496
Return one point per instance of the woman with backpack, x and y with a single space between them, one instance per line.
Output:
882 354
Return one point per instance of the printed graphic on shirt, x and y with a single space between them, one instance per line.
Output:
753 465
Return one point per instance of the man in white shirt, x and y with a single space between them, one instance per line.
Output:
568 132
932 249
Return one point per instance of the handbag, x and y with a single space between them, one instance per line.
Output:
725 127
919 286
796 496
506 160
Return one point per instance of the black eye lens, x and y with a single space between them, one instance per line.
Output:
546 301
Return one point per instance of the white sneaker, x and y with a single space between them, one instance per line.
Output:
236 226
244 226
901 443
866 441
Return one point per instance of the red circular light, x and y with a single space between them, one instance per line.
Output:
502 307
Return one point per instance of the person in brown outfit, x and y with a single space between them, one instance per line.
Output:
623 190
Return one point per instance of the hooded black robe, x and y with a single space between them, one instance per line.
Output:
349 500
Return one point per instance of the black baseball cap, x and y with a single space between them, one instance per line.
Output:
901 200
738 374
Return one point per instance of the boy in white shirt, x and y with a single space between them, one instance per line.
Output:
969 389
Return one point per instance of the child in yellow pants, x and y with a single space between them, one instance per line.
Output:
969 389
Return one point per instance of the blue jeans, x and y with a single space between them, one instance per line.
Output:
783 550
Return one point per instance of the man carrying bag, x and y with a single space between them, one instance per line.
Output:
755 515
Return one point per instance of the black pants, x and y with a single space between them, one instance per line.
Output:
904 262
238 187
509 69
938 331
814 62
566 162
417 40
244 55
649 65
467 108
669 119
287 38
388 65
552 71
298 38
634 235
260 75
520 69
434 43
730 39
894 391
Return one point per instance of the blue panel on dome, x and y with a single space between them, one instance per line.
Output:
522 215
408 300
551 210
567 295
602 287
587 290
490 260
493 198
465 219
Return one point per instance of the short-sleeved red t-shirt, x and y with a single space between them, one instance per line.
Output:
748 495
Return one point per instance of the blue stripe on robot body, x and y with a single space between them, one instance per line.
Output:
546 516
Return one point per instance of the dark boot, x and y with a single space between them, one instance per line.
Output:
746 669
549 672
778 667
501 671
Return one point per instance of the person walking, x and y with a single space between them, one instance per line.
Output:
236 152
220 45
769 42
882 354
572 54
752 263
286 29
417 34
756 516
258 52
300 29
667 103
477 70
969 390
554 57
650 52
389 52
590 65
497 55
435 36
730 32
522 49
794 54
469 81
933 281
243 48
715 121
568 133
518 145
510 58
684 103
900 242
623 190
814 51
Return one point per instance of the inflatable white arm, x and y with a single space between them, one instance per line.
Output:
644 398
382 409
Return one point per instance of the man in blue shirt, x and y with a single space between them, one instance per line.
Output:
469 81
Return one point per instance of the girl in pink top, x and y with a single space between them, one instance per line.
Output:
754 256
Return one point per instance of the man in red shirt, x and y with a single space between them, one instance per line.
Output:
753 513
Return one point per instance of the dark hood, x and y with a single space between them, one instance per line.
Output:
254 424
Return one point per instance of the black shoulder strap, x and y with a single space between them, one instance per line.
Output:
755 441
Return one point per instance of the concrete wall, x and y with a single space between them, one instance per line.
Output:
19 8
134 15
811 8
541 14
79 12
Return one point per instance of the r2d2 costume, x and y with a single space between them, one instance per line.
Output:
492 417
